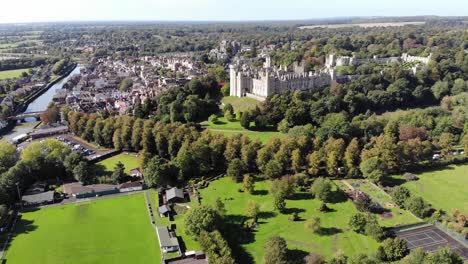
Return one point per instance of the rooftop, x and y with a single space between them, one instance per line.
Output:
165 238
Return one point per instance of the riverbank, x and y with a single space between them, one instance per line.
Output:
24 105
33 101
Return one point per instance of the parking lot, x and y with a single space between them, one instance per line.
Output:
430 238
75 146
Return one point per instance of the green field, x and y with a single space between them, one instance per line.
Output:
130 161
229 128
337 237
111 230
444 189
399 216
11 74
240 103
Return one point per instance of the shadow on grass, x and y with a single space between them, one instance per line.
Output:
301 196
235 234
266 215
392 181
296 256
260 192
22 227
329 231
338 196
293 210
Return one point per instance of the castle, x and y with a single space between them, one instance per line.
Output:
260 83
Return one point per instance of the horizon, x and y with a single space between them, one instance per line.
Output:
221 11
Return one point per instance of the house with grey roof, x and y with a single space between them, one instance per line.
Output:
167 240
175 195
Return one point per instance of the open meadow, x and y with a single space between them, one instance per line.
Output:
231 128
335 236
129 160
445 189
12 73
110 230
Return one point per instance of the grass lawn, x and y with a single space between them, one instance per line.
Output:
111 230
129 160
241 103
12 73
335 238
445 189
399 216
229 128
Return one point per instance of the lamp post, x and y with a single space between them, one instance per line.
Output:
19 195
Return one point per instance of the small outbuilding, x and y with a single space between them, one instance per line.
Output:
175 195
167 240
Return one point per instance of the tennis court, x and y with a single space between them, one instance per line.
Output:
430 238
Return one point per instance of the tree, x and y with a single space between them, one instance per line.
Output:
236 169
245 120
440 89
200 219
216 247
225 90
313 258
273 169
252 210
313 225
417 206
213 119
220 207
372 169
51 114
297 162
126 84
248 184
374 230
314 163
159 172
71 161
8 156
358 223
400 195
118 175
82 174
444 255
279 202
394 249
275 251
465 144
322 189
351 158
363 202
446 143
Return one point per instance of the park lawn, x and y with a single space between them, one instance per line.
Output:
338 237
399 216
444 189
129 160
240 103
229 128
12 73
110 230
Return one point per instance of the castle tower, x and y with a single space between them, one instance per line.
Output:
267 62
234 91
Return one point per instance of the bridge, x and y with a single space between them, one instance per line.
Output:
26 115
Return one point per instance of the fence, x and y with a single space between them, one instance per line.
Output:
400 229
452 233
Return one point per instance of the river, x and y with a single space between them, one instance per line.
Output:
39 104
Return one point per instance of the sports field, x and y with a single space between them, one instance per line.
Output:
111 230
336 235
11 73
129 160
444 189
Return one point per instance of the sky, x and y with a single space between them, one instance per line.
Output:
18 11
